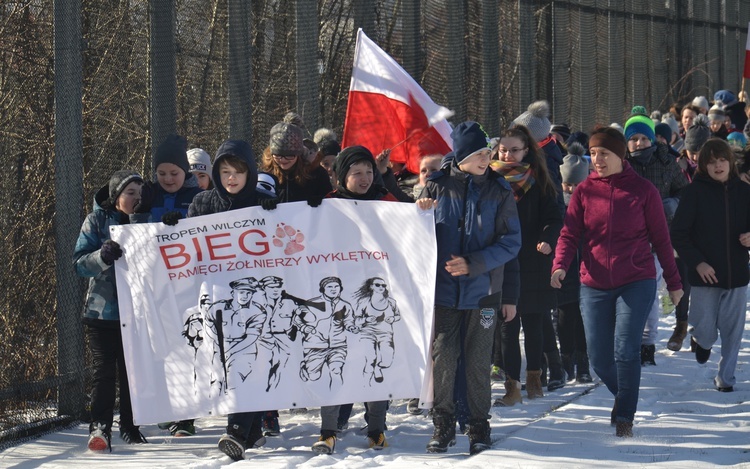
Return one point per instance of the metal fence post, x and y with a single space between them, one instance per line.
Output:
163 70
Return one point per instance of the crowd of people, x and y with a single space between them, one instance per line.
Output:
561 234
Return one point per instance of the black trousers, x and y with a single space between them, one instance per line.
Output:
108 363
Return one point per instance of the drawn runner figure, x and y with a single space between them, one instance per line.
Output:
192 330
235 326
323 325
374 316
279 330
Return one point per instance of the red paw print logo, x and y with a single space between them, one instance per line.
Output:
289 238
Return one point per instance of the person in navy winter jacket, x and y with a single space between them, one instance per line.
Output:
478 232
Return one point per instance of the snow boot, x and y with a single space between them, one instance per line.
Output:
326 444
624 429
647 355
568 364
479 436
512 394
556 371
534 384
678 336
444 434
583 374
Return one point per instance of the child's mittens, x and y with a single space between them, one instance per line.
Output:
110 252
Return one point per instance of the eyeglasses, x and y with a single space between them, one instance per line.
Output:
512 151
379 285
284 157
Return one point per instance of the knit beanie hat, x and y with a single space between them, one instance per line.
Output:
323 134
173 150
348 157
580 137
199 160
697 134
286 140
468 138
119 181
293 118
701 102
267 184
639 124
329 147
737 140
575 167
669 119
536 119
725 96
716 113
664 130
563 130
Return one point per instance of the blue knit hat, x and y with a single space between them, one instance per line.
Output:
468 138
726 97
640 124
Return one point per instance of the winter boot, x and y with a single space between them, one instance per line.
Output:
583 375
543 376
647 355
326 444
512 394
271 423
624 429
376 440
678 336
255 438
232 443
556 371
701 354
568 363
534 384
479 436
444 434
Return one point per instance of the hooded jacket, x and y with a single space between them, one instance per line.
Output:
618 218
101 307
218 199
706 228
167 202
475 218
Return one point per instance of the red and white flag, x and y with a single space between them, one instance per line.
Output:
387 109
746 72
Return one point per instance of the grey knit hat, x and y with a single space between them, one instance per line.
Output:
120 180
701 102
536 119
716 113
697 134
199 160
286 140
669 119
575 168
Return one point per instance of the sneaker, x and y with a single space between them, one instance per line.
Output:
342 426
132 436
376 440
255 438
413 407
725 388
164 425
99 438
182 428
444 434
701 354
497 374
584 378
326 444
231 443
271 424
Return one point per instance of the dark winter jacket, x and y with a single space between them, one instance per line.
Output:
101 307
165 202
475 218
554 158
707 226
618 219
541 220
218 199
662 170
736 113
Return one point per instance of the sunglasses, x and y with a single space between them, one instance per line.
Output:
379 285
285 157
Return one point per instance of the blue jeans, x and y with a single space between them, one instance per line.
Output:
614 321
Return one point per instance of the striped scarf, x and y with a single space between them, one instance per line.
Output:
519 176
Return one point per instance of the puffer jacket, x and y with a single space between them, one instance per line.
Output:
475 218
101 307
218 199
707 227
165 202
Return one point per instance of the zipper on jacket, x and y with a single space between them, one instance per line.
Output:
461 226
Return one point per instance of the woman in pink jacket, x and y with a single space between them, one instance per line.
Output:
617 217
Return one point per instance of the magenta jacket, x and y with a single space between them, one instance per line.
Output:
617 219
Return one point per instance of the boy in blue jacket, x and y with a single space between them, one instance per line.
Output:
478 232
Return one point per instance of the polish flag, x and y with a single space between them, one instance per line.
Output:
387 109
746 72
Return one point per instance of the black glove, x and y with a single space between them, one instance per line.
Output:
110 252
147 198
269 204
171 218
314 201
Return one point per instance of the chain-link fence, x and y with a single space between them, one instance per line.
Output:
87 86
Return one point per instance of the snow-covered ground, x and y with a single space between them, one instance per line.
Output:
682 422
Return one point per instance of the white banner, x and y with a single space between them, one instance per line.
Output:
295 307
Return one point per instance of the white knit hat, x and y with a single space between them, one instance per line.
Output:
199 160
